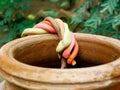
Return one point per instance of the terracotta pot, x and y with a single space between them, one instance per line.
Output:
32 63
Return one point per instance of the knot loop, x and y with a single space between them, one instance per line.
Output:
68 47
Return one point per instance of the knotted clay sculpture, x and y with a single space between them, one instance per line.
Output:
67 48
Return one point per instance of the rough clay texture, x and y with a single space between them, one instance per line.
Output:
19 61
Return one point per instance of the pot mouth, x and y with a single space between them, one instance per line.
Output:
35 58
42 53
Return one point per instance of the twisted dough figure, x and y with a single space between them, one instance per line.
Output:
67 47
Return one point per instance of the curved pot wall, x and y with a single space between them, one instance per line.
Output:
32 63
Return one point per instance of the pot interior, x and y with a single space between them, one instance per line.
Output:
42 53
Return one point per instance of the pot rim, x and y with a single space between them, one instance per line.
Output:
78 75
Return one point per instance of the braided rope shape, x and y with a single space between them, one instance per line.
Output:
67 47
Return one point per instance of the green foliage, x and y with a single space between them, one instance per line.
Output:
109 5
80 12
116 21
94 19
12 19
98 17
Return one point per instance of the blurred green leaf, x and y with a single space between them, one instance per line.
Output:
51 13
53 1
109 5
94 20
116 21
9 12
63 4
76 19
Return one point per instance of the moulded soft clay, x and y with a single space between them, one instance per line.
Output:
65 41
45 27
67 51
33 31
67 47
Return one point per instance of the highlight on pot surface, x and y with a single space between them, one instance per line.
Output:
67 48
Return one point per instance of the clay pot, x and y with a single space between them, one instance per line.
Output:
32 63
